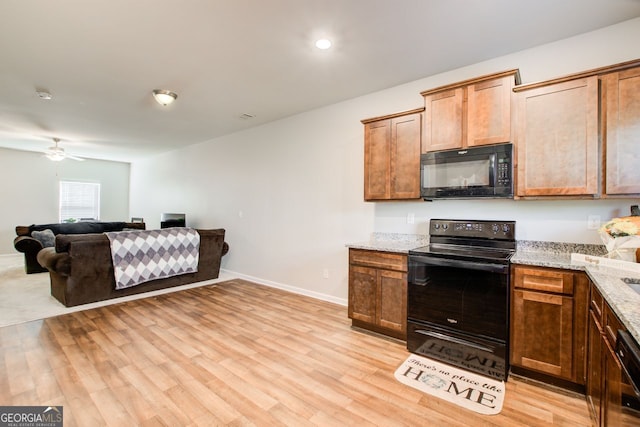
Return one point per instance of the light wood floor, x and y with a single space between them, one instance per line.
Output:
235 354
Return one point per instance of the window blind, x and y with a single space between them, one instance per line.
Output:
79 201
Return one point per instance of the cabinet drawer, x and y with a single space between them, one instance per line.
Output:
611 324
595 303
376 259
544 279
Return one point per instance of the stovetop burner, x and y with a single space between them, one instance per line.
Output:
463 252
491 241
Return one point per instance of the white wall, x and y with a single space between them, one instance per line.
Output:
290 193
29 190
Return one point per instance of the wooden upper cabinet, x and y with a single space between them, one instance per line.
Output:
557 139
377 160
622 121
489 111
469 113
443 120
392 156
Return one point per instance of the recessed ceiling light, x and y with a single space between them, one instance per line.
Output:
323 44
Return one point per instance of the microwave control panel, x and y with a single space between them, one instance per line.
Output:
504 172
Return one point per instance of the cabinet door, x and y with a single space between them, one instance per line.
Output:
489 112
392 301
557 139
542 332
622 92
612 399
363 293
377 160
443 120
405 157
595 368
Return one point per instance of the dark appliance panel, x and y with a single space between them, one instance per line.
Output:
458 295
484 171
461 295
628 354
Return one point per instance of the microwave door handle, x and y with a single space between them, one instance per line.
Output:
466 265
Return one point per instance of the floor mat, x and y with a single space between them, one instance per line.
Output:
467 389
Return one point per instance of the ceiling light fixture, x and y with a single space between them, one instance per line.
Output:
164 97
323 44
43 94
55 153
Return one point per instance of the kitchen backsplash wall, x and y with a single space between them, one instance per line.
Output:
546 220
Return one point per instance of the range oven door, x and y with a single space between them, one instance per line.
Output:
465 296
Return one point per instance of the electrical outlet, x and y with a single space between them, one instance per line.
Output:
593 222
325 273
411 218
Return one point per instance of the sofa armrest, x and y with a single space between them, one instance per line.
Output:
26 244
57 262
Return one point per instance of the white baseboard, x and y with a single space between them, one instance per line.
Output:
295 290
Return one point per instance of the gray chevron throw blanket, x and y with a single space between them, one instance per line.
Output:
143 255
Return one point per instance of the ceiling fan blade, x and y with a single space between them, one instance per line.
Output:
79 159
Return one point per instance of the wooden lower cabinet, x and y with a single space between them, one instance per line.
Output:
548 322
594 367
378 291
604 382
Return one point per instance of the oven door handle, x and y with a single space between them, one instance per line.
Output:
455 263
453 339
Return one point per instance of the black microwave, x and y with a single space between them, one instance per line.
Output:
485 171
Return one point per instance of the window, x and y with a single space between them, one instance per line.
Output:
79 201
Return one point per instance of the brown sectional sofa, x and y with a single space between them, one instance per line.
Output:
81 267
30 246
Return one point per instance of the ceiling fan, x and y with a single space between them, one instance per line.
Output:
57 154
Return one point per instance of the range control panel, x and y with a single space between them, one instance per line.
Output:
504 230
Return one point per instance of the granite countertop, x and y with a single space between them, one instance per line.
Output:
392 242
624 301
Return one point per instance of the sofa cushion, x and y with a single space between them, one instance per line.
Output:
80 227
46 237
64 241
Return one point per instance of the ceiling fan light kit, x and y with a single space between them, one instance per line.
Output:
57 154
164 97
